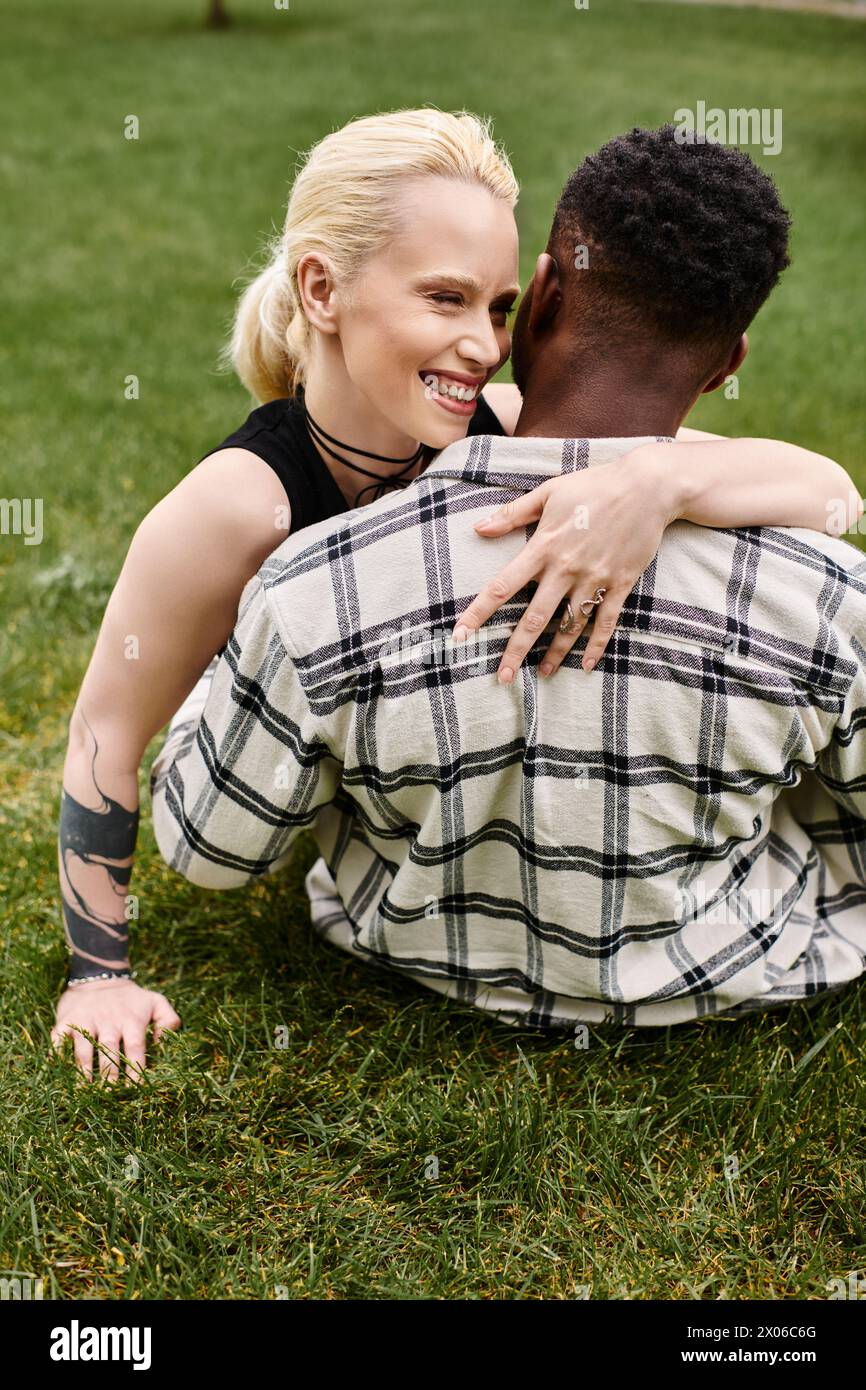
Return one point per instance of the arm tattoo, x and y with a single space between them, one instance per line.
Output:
95 853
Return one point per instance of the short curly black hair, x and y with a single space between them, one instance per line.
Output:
691 237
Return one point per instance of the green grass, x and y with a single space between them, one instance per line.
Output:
305 1167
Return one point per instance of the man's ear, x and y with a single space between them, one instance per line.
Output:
546 294
735 361
316 288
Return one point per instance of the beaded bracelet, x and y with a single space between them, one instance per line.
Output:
106 975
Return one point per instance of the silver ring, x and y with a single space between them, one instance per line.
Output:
567 623
589 604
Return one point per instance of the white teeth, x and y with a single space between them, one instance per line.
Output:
452 390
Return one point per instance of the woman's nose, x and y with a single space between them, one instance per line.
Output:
481 345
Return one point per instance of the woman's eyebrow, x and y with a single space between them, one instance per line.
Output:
463 281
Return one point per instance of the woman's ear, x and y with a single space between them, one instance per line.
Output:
546 294
316 287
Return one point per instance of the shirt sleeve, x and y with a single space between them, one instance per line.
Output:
842 764
245 767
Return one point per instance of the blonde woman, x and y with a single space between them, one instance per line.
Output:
369 340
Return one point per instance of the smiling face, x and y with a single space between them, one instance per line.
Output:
425 323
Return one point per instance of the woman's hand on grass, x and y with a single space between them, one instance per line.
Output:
112 1012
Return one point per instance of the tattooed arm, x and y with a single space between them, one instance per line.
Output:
173 607
96 845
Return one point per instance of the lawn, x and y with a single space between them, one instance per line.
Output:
397 1145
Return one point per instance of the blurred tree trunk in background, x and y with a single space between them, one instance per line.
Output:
217 15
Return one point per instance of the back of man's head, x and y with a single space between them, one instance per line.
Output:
661 244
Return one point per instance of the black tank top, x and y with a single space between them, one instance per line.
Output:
276 433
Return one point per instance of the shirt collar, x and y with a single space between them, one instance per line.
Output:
502 461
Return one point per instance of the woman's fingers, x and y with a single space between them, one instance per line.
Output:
500 589
82 1035
165 1020
563 641
607 616
116 1031
135 1052
535 619
519 512
109 1056
81 1047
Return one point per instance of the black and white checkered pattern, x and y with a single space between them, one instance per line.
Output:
677 834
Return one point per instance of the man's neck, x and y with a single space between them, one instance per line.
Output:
600 402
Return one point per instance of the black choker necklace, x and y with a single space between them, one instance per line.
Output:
381 485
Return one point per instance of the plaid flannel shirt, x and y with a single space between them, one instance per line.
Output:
679 833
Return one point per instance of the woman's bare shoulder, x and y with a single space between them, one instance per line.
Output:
178 591
506 403
231 496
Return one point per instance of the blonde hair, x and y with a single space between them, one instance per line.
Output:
344 204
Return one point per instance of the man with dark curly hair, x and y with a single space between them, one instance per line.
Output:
659 257
678 833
